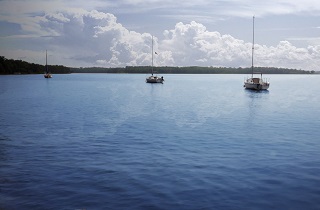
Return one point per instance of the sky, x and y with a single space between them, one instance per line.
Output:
118 33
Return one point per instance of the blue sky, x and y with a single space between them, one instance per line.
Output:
111 33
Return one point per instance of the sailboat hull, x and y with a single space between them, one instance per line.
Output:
47 76
154 79
256 84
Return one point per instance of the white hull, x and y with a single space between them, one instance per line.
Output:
47 75
256 84
154 79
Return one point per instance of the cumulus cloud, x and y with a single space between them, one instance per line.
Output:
286 55
92 38
77 37
193 44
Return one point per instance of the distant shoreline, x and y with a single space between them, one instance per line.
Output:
189 70
18 67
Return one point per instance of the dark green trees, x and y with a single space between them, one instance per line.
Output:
10 66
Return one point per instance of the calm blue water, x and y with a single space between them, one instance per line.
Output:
109 141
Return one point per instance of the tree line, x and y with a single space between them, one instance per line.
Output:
189 70
10 66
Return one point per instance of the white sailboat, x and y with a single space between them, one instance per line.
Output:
255 83
47 73
153 78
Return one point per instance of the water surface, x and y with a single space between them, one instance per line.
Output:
112 141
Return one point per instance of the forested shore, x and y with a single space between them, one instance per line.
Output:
189 70
10 66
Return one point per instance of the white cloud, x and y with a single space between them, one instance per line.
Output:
103 40
80 37
192 44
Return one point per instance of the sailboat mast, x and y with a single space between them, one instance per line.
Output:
252 45
152 57
46 62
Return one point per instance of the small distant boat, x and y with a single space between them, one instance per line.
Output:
47 73
154 78
255 83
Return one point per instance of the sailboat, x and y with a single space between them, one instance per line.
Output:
47 73
255 83
153 78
